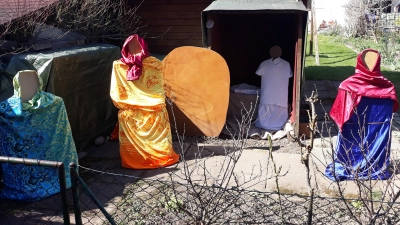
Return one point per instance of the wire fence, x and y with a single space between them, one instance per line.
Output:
40 188
100 197
133 200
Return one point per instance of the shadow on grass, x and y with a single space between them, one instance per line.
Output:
335 60
350 53
393 76
332 55
338 73
341 72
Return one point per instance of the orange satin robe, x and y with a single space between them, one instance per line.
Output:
144 128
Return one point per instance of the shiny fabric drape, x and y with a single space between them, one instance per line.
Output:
135 62
40 130
144 129
363 110
365 82
363 147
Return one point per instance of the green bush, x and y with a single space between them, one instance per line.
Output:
389 49
388 45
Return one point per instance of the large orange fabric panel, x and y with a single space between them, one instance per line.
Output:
197 81
144 129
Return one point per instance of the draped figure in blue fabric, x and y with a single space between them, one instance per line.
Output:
363 110
35 128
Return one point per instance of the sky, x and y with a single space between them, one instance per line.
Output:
330 10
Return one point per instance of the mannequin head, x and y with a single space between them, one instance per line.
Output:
369 58
134 47
275 52
29 83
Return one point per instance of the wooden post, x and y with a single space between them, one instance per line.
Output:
311 32
298 74
315 33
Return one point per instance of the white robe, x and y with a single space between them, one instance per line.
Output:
273 109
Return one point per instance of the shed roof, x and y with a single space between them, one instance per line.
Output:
12 9
254 5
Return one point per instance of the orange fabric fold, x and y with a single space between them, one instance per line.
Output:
144 128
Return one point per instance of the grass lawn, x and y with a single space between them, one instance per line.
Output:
337 62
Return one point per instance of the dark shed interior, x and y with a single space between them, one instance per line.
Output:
244 37
244 41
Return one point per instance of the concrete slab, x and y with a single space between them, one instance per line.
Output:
320 85
323 95
336 84
255 171
332 94
311 85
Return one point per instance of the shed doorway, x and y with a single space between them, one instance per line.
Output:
243 39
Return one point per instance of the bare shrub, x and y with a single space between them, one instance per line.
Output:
373 200
98 21
355 18
212 193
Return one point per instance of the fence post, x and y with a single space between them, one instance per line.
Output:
63 192
310 207
75 193
95 200
61 177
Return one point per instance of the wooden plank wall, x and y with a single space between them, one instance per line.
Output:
171 23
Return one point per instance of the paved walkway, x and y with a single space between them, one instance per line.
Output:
294 180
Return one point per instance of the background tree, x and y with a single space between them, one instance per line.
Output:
105 21
362 16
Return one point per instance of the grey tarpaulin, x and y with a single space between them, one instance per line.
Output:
6 87
5 84
81 76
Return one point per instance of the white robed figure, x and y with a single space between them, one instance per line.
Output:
273 109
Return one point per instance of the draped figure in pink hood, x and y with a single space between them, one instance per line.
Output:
363 110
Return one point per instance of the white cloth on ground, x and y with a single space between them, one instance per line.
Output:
235 128
245 89
271 117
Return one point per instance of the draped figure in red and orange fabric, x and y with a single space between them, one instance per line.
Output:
363 111
137 90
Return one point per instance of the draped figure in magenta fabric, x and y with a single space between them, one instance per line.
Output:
363 111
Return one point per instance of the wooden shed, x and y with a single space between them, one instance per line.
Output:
171 23
243 31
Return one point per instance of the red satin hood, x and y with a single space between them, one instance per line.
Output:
134 61
365 82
